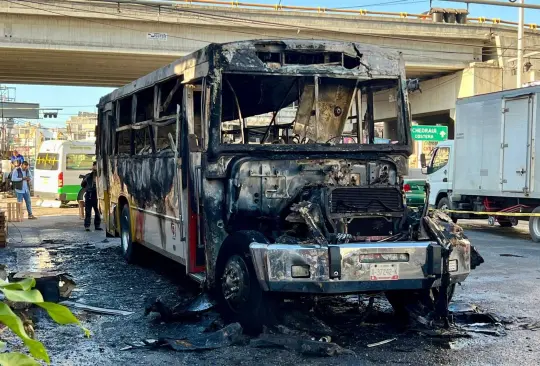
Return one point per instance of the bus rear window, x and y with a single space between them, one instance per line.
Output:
79 161
47 161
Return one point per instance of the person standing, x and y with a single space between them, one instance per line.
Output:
16 157
90 200
21 178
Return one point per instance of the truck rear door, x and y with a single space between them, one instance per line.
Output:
517 115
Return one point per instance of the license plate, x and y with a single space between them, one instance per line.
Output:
384 272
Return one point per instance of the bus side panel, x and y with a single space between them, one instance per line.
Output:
159 233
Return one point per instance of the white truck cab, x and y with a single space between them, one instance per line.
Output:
440 172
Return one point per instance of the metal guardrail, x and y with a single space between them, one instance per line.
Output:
359 12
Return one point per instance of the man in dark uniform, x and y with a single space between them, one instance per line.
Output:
90 200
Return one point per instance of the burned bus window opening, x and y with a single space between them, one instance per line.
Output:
170 95
124 115
145 105
123 142
270 109
142 141
163 141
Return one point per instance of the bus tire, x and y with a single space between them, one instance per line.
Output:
239 295
444 204
129 249
534 226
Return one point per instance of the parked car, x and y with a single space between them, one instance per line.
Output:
414 192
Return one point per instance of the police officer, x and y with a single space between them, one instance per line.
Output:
90 199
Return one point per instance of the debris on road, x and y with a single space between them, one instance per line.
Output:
459 307
301 345
53 241
95 309
200 303
531 326
52 285
182 312
512 255
228 336
381 342
307 323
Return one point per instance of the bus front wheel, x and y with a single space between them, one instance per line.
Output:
240 297
130 250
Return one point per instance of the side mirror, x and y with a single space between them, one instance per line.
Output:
423 161
424 170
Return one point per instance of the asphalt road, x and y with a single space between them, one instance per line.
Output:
508 286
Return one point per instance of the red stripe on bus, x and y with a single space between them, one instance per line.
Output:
193 235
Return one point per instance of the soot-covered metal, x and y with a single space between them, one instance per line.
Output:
283 161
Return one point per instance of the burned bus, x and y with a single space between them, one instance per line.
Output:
259 167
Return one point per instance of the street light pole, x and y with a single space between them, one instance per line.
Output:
520 45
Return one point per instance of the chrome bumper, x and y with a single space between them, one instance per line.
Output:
353 267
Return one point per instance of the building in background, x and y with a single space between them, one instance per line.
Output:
27 138
82 126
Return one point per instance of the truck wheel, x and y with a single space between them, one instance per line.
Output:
240 297
534 226
130 251
444 204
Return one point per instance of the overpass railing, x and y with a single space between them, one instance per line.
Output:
438 15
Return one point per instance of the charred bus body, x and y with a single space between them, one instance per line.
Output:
259 167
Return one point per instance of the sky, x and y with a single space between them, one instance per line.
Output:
75 99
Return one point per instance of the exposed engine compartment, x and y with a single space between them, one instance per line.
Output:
315 200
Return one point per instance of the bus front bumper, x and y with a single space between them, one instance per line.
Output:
355 267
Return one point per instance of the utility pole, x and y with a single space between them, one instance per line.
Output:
520 45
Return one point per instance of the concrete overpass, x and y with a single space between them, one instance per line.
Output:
109 44
91 43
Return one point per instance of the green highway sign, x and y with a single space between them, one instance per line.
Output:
429 133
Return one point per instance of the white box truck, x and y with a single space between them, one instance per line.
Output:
491 164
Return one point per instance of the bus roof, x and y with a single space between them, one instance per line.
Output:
245 56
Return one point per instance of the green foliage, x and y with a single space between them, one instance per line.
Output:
17 359
23 291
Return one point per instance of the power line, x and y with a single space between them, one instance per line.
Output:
394 2
220 18
122 16
235 19
244 20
